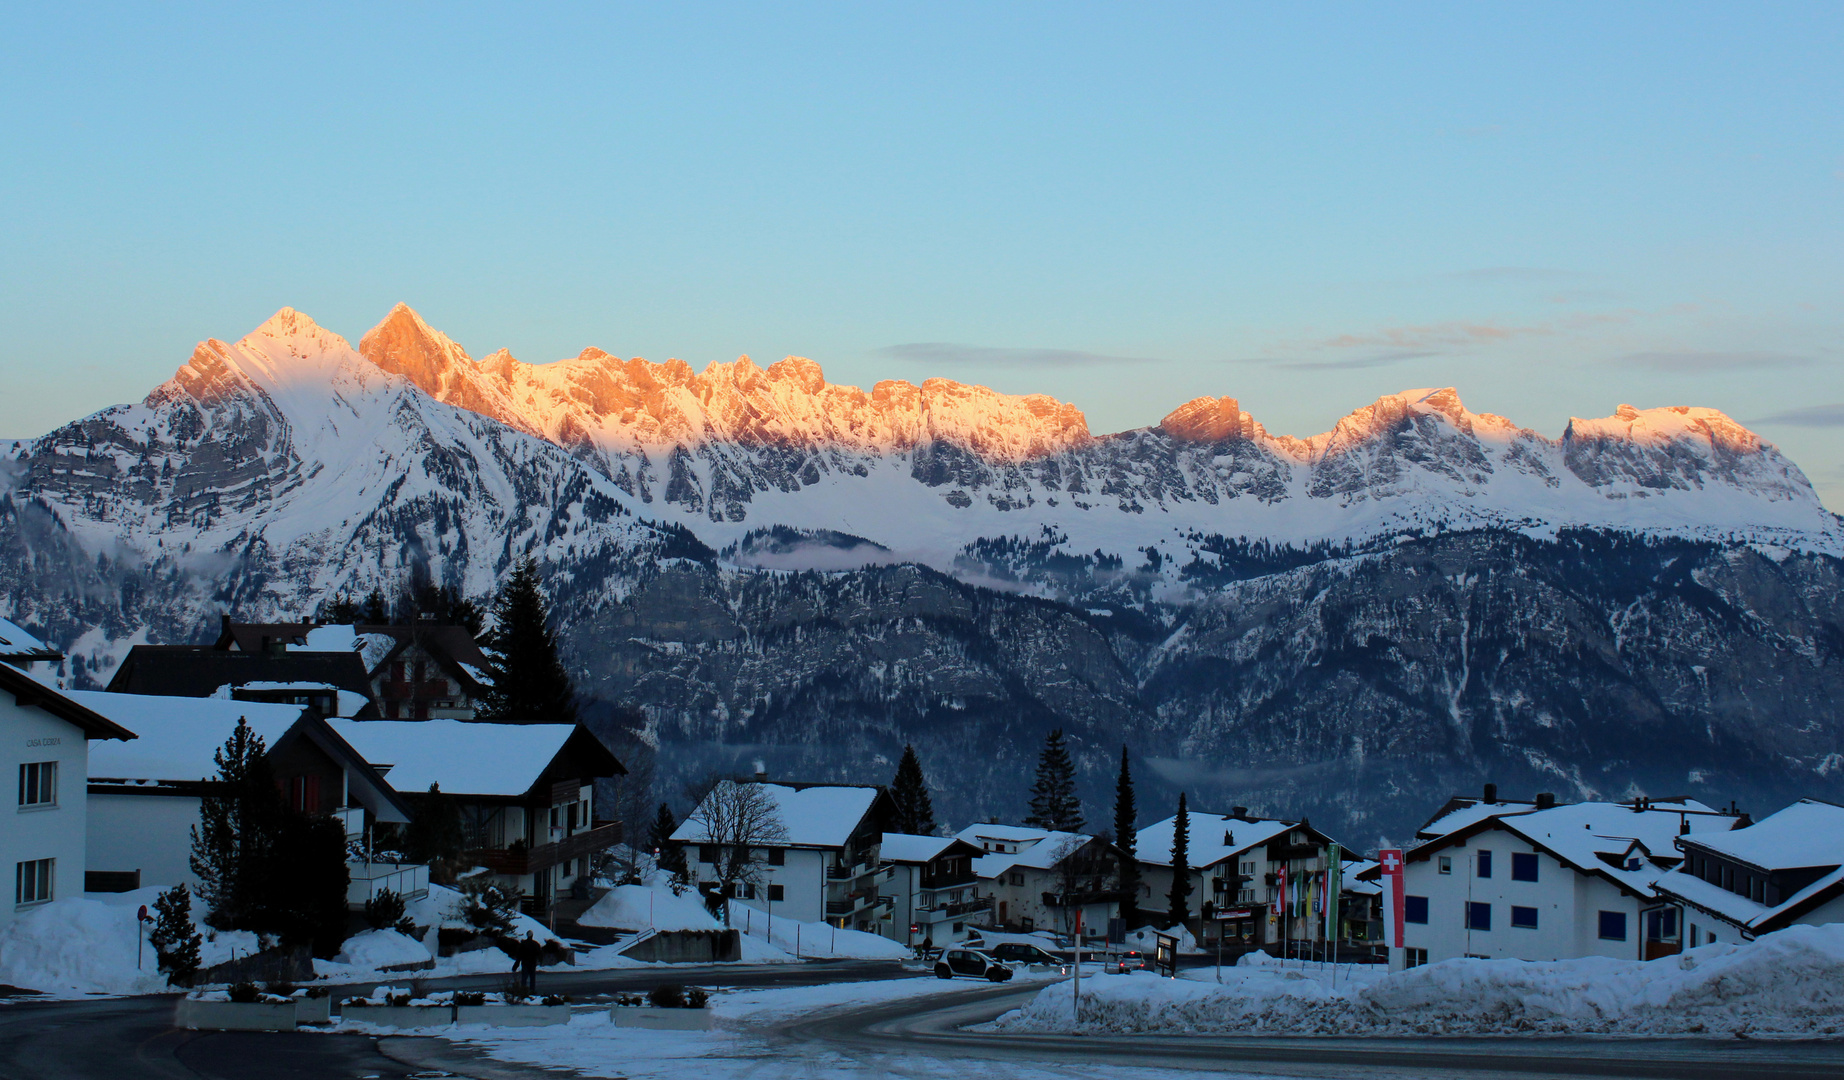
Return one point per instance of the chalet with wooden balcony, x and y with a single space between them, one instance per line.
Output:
935 889
1041 879
526 793
1784 870
1242 867
144 797
828 867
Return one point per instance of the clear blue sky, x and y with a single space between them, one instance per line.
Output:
1556 208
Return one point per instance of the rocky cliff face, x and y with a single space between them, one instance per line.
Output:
775 568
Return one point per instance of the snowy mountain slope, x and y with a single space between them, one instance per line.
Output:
1419 599
927 470
285 468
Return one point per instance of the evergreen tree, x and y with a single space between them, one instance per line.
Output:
434 835
1053 797
375 612
915 813
239 823
175 940
1124 829
1180 896
340 611
302 894
529 682
659 837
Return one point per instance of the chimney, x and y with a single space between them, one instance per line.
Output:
1491 793
1546 800
1240 813
224 621
274 646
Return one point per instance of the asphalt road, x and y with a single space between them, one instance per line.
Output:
134 1038
932 1028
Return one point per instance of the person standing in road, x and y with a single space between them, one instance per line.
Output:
529 951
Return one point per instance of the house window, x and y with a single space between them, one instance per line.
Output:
1485 864
1523 866
1414 958
1523 918
707 853
1613 926
1017 879
749 890
1478 916
1415 909
1446 864
777 856
304 793
775 892
32 881
38 784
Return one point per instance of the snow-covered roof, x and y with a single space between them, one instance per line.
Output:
910 848
1807 833
1467 814
1579 834
178 736
814 815
1213 838
1353 884
464 758
1038 849
16 644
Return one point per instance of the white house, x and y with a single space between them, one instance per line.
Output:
828 866
45 739
1251 877
1786 869
1040 879
144 797
1537 881
526 792
934 887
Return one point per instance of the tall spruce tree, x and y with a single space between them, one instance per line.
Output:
434 836
1180 896
915 812
530 684
1053 796
1124 829
239 825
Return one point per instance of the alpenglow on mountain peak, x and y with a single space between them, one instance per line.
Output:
928 469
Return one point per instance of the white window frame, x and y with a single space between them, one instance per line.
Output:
44 882
40 785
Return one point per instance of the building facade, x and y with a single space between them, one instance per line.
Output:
1786 870
935 889
45 741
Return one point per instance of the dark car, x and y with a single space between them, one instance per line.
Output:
1017 952
971 963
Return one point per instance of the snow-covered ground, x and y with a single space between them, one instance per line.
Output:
86 944
1790 982
766 939
743 1045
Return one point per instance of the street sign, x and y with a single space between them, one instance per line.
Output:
1165 954
1236 913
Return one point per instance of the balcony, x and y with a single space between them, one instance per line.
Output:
853 871
364 881
855 903
942 912
518 860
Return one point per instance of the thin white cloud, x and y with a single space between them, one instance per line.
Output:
1819 416
945 352
1703 362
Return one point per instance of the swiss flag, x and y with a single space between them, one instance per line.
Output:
1391 861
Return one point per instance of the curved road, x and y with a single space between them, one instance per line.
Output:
133 1039
933 1027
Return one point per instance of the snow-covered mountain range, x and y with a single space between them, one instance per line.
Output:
773 566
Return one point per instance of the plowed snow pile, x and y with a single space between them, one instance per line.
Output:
1788 982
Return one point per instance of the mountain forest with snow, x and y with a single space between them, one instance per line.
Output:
766 566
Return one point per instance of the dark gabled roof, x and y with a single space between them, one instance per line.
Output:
197 671
450 646
29 692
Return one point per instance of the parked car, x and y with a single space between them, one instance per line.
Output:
1122 963
972 963
1017 952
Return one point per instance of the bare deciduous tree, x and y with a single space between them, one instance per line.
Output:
1085 870
732 823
